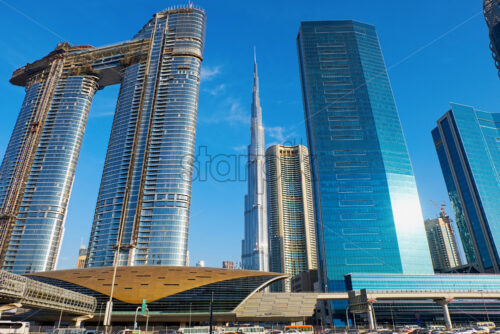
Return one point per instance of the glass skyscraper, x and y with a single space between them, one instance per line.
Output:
145 193
148 165
468 146
368 212
292 232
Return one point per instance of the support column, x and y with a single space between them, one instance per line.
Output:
371 317
78 320
446 312
8 307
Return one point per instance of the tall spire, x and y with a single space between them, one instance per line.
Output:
255 245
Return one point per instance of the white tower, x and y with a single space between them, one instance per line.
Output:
255 245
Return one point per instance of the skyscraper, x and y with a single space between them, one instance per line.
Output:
368 212
151 146
442 242
254 253
491 9
292 234
467 143
145 193
38 169
82 256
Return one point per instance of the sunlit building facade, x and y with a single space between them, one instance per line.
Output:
38 168
442 243
254 246
368 212
145 193
292 232
467 143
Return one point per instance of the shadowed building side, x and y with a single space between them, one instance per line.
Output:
491 10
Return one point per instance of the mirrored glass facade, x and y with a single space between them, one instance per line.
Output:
38 168
147 176
467 142
145 191
367 208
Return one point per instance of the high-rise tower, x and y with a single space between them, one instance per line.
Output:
38 168
367 207
255 245
145 193
442 242
292 234
467 144
491 9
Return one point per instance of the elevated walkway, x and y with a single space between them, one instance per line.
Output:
19 291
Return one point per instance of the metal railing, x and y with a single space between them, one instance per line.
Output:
33 294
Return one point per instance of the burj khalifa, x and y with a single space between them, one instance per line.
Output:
255 245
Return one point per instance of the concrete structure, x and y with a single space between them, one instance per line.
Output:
367 207
491 9
467 142
145 216
306 281
200 264
227 264
82 257
292 233
181 294
442 243
255 252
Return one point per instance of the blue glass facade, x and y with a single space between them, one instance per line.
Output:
467 142
367 208
438 282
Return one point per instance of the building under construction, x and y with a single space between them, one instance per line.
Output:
159 74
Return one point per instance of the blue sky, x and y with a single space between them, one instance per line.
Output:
435 53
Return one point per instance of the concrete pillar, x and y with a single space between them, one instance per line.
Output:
446 312
371 318
77 322
8 307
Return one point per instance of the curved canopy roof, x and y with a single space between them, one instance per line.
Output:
150 282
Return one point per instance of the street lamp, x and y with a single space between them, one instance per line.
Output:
484 305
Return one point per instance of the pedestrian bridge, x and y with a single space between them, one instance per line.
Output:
19 291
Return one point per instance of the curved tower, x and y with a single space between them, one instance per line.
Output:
255 245
144 198
491 9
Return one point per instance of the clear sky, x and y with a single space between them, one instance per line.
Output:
436 52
